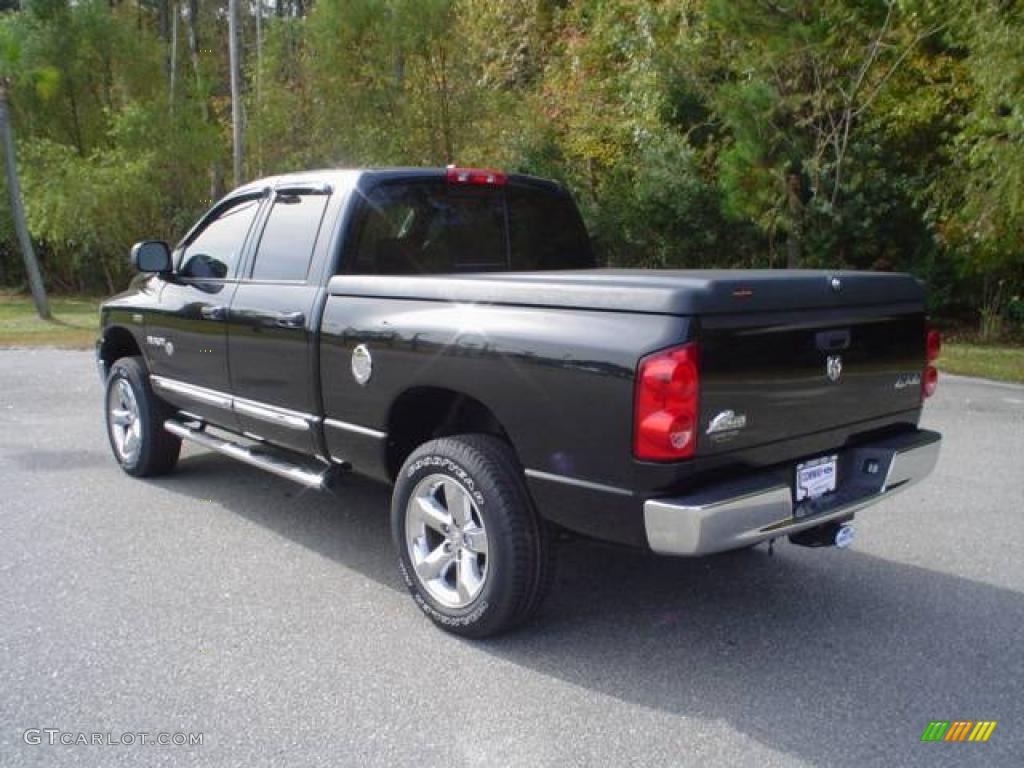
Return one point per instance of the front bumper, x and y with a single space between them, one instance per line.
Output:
758 507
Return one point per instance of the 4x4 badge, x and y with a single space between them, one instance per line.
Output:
834 367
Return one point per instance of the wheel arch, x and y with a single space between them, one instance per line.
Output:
425 413
116 342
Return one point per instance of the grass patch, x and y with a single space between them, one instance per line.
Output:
1001 363
74 326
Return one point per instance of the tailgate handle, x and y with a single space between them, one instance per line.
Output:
829 341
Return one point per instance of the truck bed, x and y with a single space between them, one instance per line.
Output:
765 336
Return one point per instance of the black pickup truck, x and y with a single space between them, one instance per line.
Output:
446 331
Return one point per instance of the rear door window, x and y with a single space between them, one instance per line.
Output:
286 246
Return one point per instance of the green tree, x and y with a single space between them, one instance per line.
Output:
801 79
980 197
866 133
10 63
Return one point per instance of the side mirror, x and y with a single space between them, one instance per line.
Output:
151 256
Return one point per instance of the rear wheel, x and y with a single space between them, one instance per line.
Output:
135 421
472 551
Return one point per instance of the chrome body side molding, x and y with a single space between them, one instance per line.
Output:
200 394
274 414
360 430
574 481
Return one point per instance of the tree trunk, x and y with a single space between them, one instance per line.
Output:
236 87
164 10
259 83
174 54
35 279
216 175
448 144
216 181
193 51
76 125
795 205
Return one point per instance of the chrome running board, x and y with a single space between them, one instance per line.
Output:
257 456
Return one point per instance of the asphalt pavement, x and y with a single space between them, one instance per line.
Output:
226 602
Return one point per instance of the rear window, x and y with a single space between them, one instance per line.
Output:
546 231
432 227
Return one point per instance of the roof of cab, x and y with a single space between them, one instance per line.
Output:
342 178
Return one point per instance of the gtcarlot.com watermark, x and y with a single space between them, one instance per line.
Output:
55 736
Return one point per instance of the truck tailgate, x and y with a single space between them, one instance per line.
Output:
773 375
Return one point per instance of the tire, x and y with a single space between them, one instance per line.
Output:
492 567
135 421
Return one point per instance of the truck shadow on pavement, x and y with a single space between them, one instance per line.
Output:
835 658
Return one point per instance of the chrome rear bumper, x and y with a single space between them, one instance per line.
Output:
760 507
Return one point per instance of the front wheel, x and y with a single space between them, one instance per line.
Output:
472 550
135 421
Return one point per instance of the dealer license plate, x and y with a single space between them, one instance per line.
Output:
816 478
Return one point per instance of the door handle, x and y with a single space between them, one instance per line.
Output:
291 320
213 313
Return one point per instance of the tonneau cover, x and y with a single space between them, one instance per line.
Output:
671 292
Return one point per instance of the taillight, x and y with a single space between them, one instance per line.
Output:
932 348
932 345
929 381
665 404
478 176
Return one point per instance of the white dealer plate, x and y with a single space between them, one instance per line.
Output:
816 478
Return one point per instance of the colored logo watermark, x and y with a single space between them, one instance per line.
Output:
958 730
